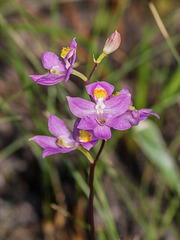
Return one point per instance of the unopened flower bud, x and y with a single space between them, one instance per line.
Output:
112 43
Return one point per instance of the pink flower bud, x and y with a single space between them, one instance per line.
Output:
112 43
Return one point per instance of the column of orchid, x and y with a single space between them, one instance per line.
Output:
95 117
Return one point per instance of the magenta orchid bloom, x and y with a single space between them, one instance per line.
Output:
63 141
107 111
144 113
99 116
132 116
58 70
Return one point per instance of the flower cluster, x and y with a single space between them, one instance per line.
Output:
107 111
95 118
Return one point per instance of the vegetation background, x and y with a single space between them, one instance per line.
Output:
137 180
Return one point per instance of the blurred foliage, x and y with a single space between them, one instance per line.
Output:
144 63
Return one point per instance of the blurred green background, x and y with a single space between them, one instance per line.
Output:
137 178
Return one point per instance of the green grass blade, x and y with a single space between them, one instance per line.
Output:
149 138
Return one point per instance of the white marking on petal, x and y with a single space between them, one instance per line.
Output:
100 106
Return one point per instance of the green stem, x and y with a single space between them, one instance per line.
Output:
94 68
86 153
100 58
80 75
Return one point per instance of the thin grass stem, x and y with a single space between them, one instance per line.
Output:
164 31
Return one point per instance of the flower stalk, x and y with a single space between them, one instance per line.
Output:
91 195
80 75
90 75
86 153
100 58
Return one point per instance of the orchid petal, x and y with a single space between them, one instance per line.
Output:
81 107
117 105
89 145
59 69
44 141
72 56
132 116
75 129
50 79
73 44
144 113
155 114
102 132
125 91
87 123
50 59
36 77
57 127
119 123
51 151
72 53
69 71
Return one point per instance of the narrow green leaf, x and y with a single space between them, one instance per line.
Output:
173 85
149 138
